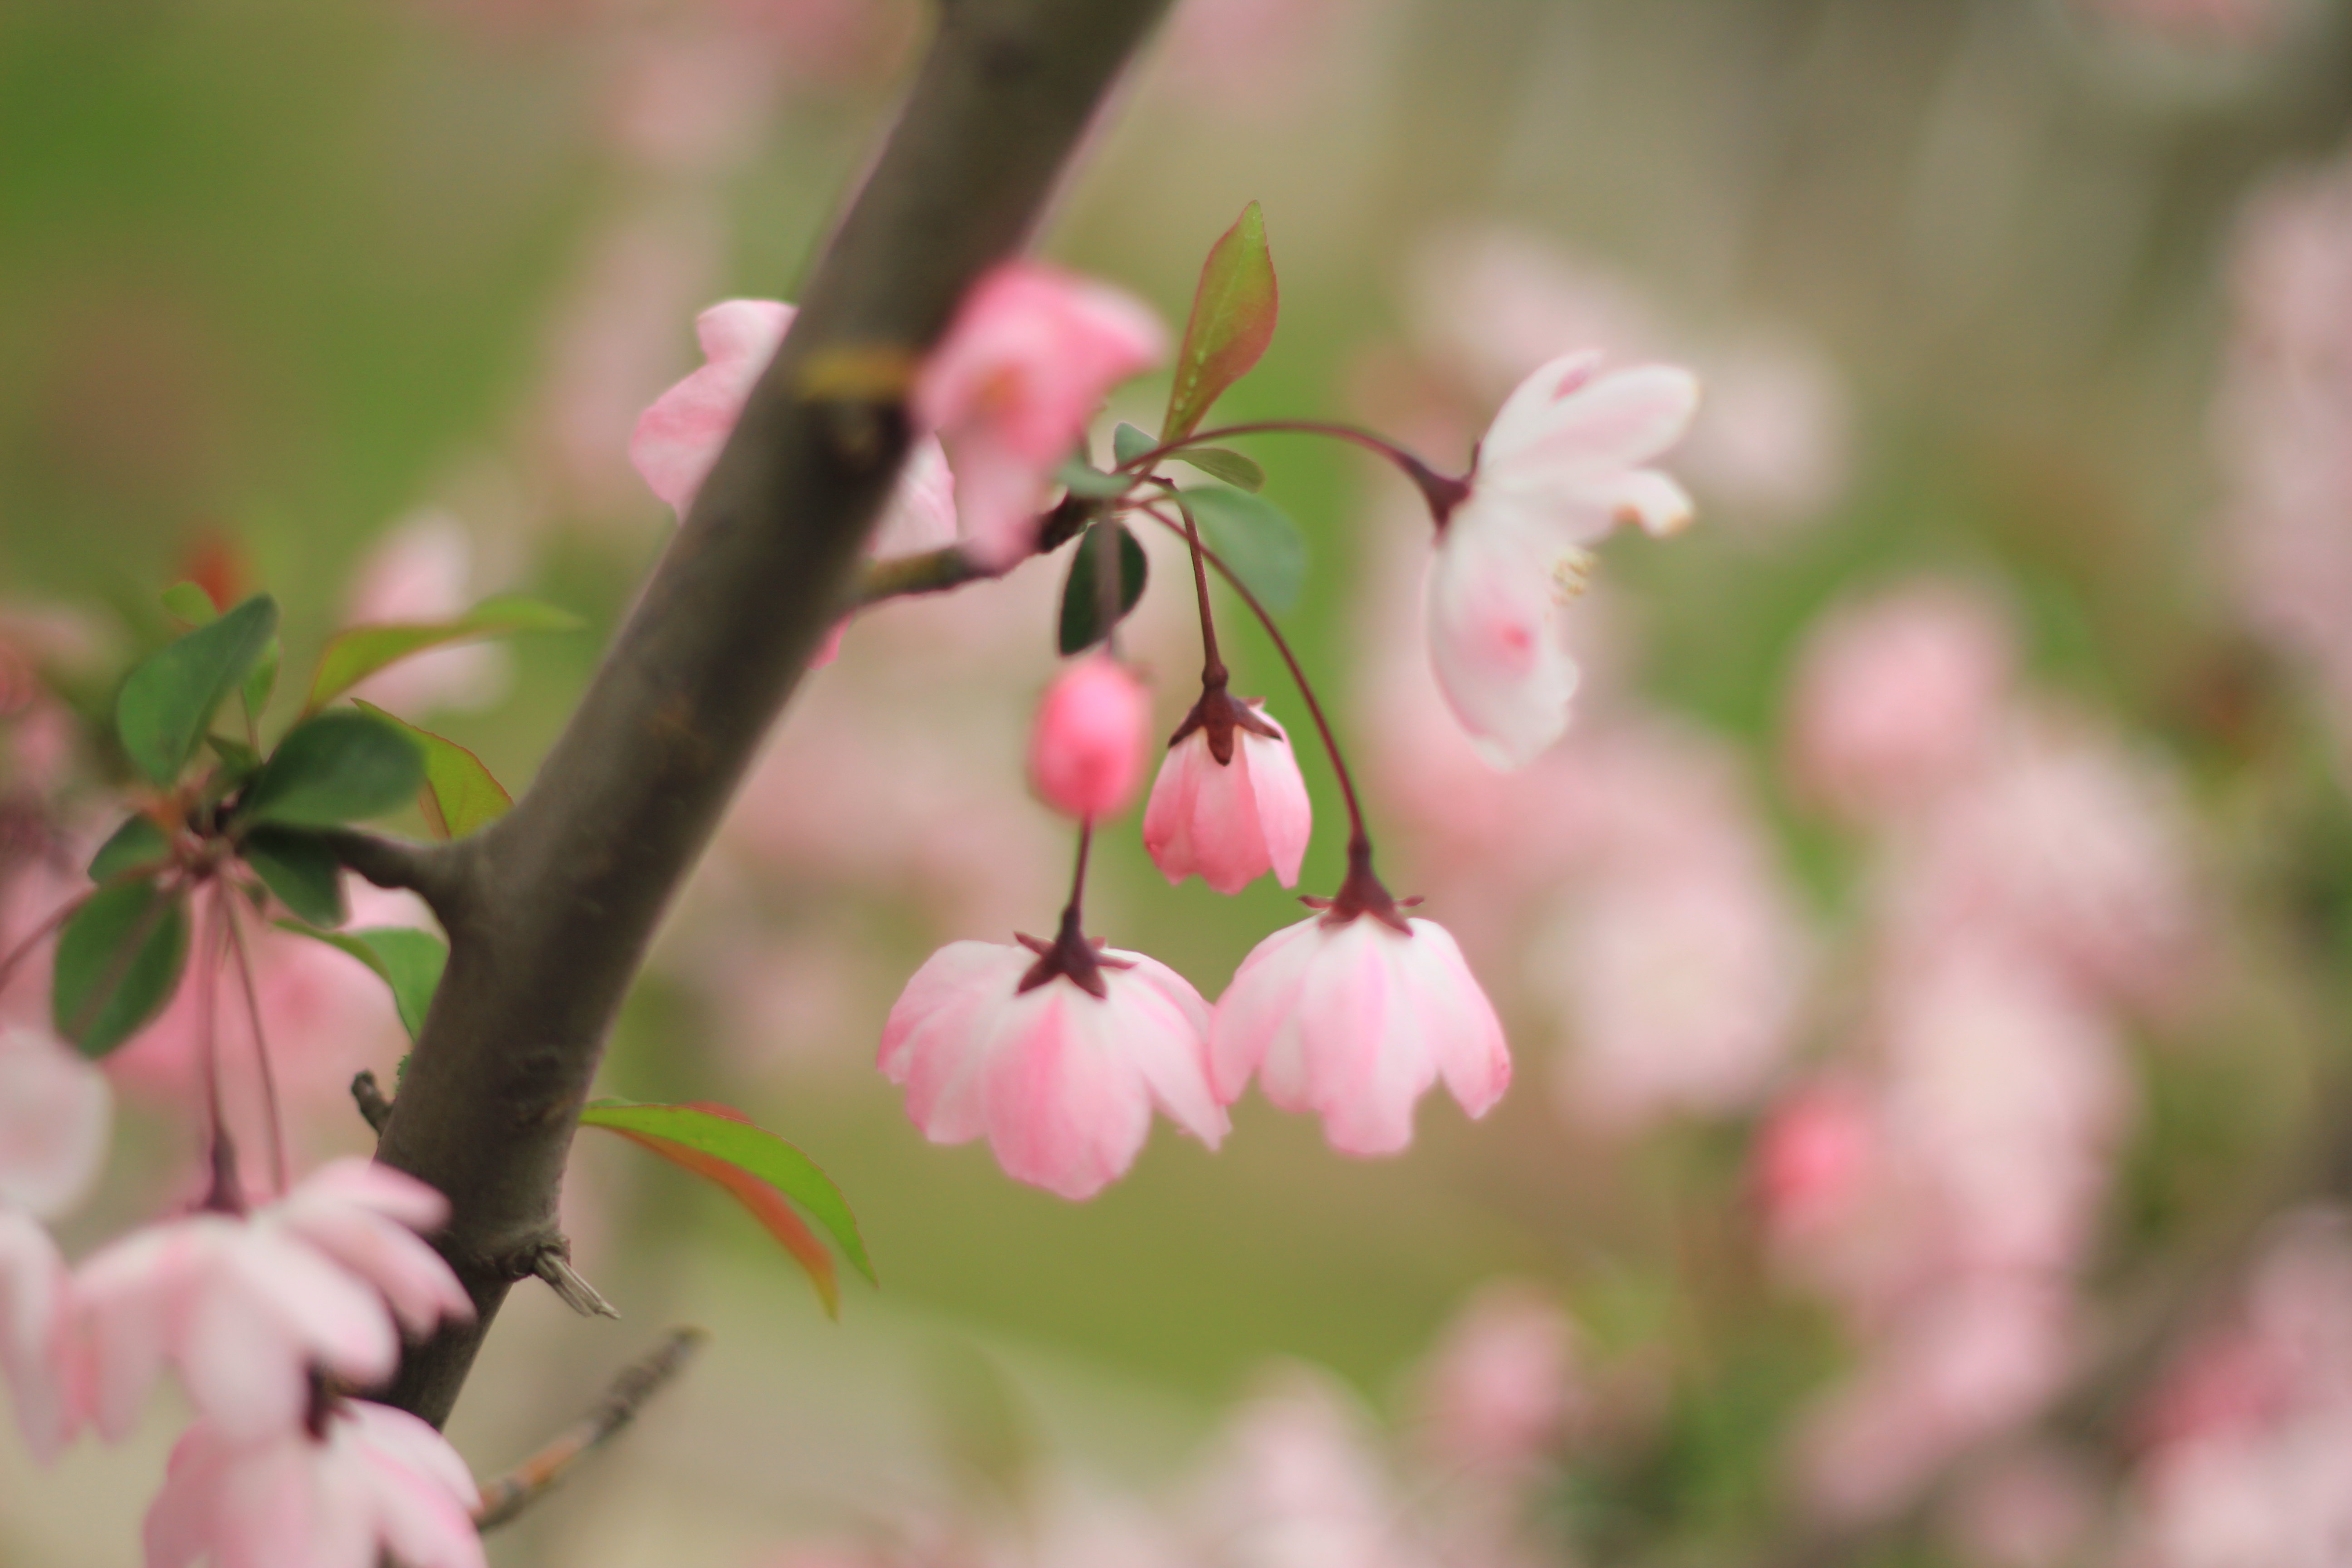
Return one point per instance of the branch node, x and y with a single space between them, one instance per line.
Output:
553 1263
509 1494
374 1108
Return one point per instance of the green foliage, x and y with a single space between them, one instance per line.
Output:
335 768
168 700
190 606
1082 623
119 960
459 794
138 842
405 959
1094 484
1256 538
1224 463
352 656
300 869
1128 443
1234 309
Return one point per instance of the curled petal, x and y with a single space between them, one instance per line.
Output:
677 440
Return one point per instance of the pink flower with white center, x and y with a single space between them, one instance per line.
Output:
54 1114
1229 804
1056 1052
245 1307
1354 1014
1012 385
1558 469
371 1485
33 1334
1086 750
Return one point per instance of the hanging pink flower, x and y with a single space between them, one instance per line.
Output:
54 1114
1558 469
1012 387
247 1306
371 1485
32 1344
1086 750
1056 1052
1228 819
1354 1014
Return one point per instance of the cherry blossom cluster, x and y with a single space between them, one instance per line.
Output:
1057 1050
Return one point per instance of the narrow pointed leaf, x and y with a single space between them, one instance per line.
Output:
722 1134
302 871
1128 443
460 794
190 606
336 768
1093 483
765 1205
1256 538
138 842
1082 623
119 960
1224 463
1233 321
261 681
353 655
167 702
407 959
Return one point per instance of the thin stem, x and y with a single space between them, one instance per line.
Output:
39 933
1358 840
1213 673
1070 917
509 1494
260 1043
226 1194
1444 492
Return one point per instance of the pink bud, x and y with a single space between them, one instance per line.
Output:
1086 756
1230 822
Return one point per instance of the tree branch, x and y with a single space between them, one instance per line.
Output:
516 1490
559 896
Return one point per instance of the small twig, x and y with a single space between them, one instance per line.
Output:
432 871
553 1264
537 1476
374 1108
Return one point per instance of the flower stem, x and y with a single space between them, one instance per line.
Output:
260 1046
1444 492
1213 674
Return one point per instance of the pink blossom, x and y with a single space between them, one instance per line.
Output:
1354 1019
245 1307
375 1485
1299 1483
33 1334
1012 387
1502 1384
1558 468
1086 750
423 571
54 1114
1229 822
678 438
1060 1077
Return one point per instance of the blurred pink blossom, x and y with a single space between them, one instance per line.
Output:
1060 1080
56 1112
1257 54
247 1306
372 1485
1503 1383
35 1348
1012 385
1354 1019
1086 749
1230 822
423 570
1297 1483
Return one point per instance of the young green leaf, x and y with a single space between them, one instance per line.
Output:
1224 463
1093 483
353 655
1233 321
190 606
723 1135
407 959
301 870
335 768
460 794
167 702
1253 537
118 962
260 681
1128 443
138 842
1082 623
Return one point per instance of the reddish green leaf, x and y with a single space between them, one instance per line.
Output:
358 652
460 794
1233 321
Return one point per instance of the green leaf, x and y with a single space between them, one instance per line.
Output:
335 768
190 606
167 702
261 681
1093 483
119 961
1082 623
238 758
353 655
408 960
747 1148
300 869
1224 463
138 842
1253 537
1128 443
1232 322
460 794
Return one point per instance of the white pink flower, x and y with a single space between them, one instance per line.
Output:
1056 1057
54 1114
372 1485
1012 387
1558 468
1228 819
1353 1017
1086 750
33 1327
245 1307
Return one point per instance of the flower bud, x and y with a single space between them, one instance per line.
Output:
1086 756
